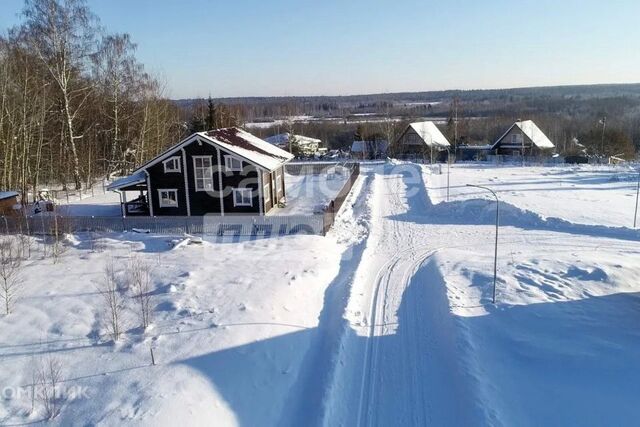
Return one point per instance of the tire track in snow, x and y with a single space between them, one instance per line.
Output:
367 398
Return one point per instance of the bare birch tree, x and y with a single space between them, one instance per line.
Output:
62 34
141 286
113 302
49 378
10 269
119 75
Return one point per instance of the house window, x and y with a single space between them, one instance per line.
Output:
203 173
267 192
278 183
242 197
168 198
172 164
232 164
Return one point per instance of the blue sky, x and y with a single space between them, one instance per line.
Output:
339 47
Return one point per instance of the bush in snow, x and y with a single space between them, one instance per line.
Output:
10 267
24 243
49 374
140 284
113 302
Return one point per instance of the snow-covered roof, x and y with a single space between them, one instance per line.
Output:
283 138
137 178
236 141
430 134
248 146
532 131
7 194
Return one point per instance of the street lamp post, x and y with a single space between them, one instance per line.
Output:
495 256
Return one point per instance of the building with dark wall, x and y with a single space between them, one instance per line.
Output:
223 171
422 139
523 137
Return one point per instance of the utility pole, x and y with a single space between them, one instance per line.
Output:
635 215
522 140
495 256
448 170
604 125
455 126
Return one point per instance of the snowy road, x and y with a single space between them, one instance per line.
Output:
397 366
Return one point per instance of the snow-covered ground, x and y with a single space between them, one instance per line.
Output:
602 195
309 194
101 204
388 320
233 322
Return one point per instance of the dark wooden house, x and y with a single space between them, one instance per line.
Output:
422 139
223 171
523 137
8 203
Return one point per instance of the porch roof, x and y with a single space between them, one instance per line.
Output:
129 183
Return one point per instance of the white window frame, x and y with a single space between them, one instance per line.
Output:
176 161
203 178
228 163
163 204
278 182
237 191
266 190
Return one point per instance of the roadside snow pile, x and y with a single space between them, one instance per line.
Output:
561 345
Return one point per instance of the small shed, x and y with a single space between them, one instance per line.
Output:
8 203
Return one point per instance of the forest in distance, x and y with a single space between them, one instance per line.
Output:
76 106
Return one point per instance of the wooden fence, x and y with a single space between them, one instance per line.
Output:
309 168
233 225
334 206
241 225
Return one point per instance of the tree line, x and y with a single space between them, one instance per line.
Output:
75 103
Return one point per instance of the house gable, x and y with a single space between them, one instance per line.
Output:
202 176
526 131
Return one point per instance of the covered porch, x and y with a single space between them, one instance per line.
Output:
138 203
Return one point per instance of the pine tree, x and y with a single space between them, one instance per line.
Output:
211 114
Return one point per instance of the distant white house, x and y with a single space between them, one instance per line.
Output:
308 146
420 138
523 136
